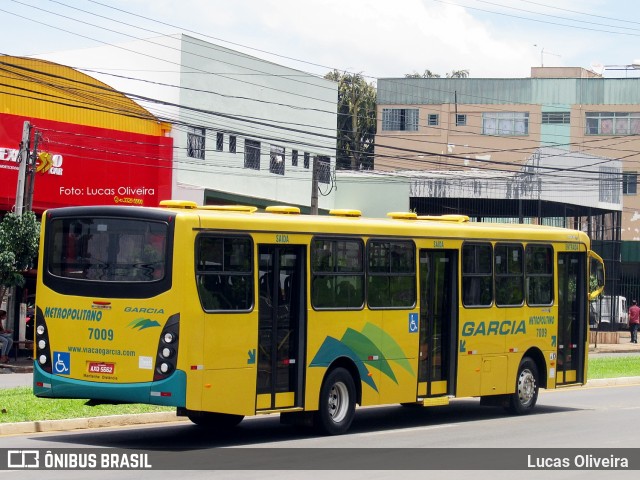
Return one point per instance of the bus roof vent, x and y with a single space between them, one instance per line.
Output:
403 215
445 218
230 208
186 204
283 209
345 212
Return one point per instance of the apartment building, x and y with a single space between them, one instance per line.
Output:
562 146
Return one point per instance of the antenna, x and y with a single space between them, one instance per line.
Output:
543 53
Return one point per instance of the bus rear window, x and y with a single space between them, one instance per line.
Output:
107 249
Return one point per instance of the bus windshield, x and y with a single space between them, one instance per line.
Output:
107 249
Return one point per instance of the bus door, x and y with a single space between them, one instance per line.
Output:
572 317
281 326
438 322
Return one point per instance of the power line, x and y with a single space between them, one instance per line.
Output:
110 92
537 20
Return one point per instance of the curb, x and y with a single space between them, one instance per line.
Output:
611 382
91 422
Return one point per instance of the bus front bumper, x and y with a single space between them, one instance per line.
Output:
168 392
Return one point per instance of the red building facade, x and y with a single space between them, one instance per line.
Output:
95 146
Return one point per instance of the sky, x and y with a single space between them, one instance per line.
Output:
376 38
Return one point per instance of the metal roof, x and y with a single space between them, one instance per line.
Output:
508 91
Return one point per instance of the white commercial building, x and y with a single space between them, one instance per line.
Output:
245 130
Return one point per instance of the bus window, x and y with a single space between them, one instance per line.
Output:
509 275
224 272
337 274
539 274
477 276
108 249
391 275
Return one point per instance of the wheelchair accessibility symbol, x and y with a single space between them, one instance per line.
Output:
61 363
413 322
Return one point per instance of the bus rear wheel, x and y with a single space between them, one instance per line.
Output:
524 398
337 403
216 421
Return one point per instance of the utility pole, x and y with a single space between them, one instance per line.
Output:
22 171
13 304
314 186
31 174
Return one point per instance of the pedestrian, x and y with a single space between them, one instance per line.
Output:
634 320
6 338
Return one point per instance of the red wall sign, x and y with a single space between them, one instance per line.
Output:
79 165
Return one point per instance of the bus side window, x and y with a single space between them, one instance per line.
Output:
539 274
391 274
509 275
224 272
477 275
322 292
210 287
337 273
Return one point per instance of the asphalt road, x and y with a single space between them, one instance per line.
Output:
579 418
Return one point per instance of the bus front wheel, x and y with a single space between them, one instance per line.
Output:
337 403
524 398
217 421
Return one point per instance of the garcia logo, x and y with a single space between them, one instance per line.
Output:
142 323
148 310
506 327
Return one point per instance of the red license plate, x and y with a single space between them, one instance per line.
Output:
102 367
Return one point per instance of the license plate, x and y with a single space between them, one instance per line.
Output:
102 367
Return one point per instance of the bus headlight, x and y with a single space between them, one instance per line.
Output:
167 350
42 359
42 344
169 337
40 329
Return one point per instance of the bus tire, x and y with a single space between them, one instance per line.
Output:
524 398
216 421
337 403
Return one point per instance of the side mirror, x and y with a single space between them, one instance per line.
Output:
596 275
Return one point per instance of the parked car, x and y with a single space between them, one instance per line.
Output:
609 313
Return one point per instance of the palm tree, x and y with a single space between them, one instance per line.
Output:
356 126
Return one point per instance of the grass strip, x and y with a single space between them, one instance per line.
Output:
614 367
21 405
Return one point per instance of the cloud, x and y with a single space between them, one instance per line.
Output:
376 38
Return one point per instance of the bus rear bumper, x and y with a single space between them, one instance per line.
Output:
169 392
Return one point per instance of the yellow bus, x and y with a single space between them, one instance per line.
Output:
225 311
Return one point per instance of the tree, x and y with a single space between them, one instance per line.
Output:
356 121
458 74
19 238
429 74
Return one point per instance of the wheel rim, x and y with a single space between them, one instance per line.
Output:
338 402
526 387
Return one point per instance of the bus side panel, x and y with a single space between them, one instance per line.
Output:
230 363
337 336
185 298
398 382
482 333
469 375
